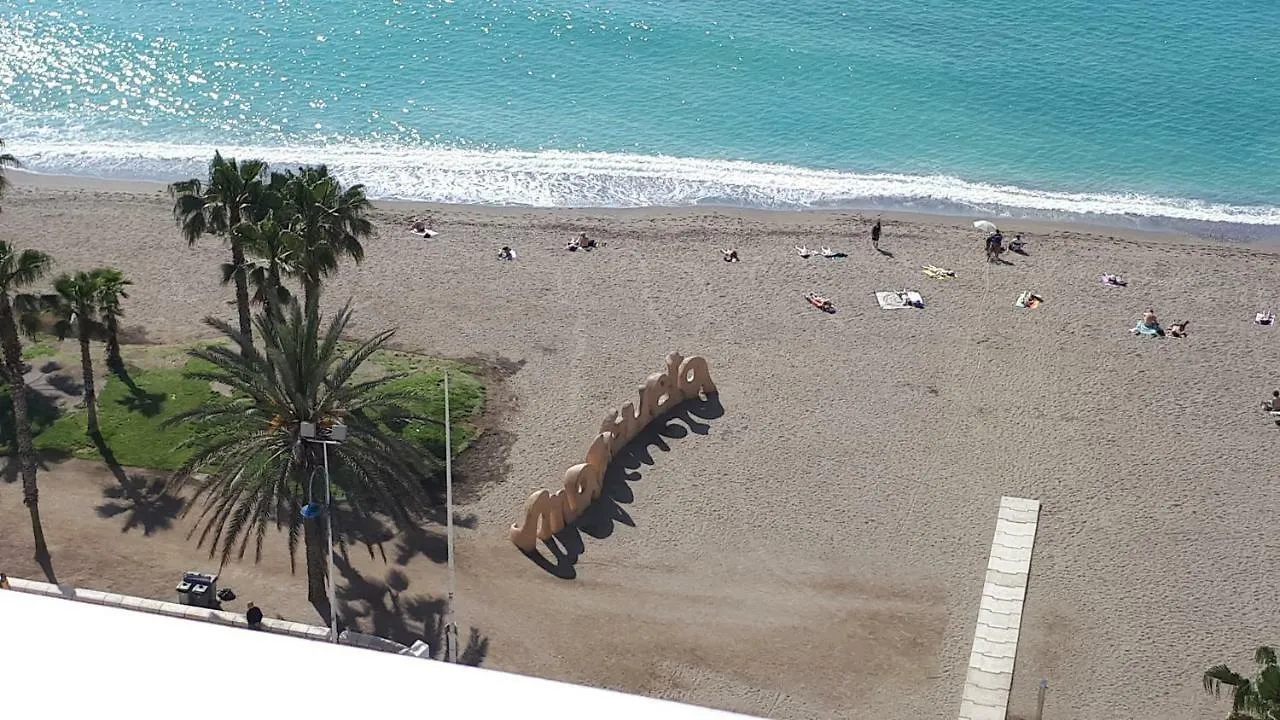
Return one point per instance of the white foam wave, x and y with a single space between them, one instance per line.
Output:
554 178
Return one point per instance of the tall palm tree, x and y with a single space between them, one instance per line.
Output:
111 290
233 194
271 251
329 220
19 312
251 466
6 161
1256 699
75 305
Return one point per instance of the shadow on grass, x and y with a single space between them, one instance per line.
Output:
147 404
599 519
41 411
144 503
385 608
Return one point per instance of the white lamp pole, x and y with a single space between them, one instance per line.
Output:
328 523
450 630
332 435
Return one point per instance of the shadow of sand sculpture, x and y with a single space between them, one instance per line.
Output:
385 608
600 517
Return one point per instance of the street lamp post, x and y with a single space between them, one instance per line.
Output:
324 437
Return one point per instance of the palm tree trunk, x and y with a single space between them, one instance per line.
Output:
114 360
22 423
242 289
314 533
90 397
271 298
311 295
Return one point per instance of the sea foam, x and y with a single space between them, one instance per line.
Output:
552 178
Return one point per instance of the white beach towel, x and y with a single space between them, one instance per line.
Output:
899 300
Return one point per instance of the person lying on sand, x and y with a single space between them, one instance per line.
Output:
820 302
804 252
829 253
506 253
421 228
1114 280
730 255
1265 317
1179 329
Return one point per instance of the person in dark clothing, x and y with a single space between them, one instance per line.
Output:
254 616
875 235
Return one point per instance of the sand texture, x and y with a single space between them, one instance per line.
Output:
817 548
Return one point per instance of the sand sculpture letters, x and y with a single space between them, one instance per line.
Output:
546 513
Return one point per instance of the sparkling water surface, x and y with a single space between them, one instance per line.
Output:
1133 108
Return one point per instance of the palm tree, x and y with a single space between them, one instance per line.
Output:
250 463
273 250
111 290
329 221
76 307
20 312
1256 699
233 194
6 161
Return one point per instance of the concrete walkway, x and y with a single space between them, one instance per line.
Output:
995 640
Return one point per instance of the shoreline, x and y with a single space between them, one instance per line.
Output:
1108 227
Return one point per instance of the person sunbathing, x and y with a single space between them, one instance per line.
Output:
1264 318
804 252
1272 405
1018 244
1114 280
1179 329
586 243
506 253
422 228
730 255
820 302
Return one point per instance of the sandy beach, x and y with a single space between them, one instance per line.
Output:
817 550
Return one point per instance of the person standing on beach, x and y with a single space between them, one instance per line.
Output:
875 235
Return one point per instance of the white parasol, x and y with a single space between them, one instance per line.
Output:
986 226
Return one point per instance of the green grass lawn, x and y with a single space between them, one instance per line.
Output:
132 419
132 416
38 350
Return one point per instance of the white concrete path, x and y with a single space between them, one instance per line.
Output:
995 640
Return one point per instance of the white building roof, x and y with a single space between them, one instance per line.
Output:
75 659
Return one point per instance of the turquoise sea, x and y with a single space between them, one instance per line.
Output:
1163 110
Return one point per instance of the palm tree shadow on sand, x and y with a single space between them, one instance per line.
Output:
602 515
385 608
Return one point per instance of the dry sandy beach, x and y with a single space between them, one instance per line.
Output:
817 550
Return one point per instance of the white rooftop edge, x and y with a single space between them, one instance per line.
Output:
70 659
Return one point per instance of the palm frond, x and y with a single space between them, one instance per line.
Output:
249 464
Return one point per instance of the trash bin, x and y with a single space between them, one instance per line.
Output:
199 589
184 592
